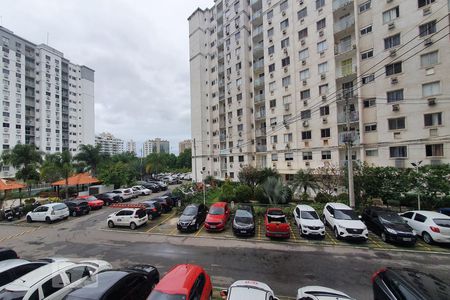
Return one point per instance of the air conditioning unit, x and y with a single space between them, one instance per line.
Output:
283 13
389 1
285 69
285 50
284 31
239 119
321 33
324 98
305 102
270 40
287 146
240 133
286 106
300 2
428 42
274 165
393 53
324 120
391 25
395 107
289 164
303 62
305 123
240 150
306 144
431 101
269 21
228 77
323 76
302 42
322 54
302 21
274 147
231 166
238 73
427 11
239 88
305 82
307 163
394 80
271 75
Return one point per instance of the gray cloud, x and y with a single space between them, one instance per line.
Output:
138 48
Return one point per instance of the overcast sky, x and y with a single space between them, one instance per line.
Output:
139 50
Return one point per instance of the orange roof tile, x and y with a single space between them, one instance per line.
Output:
7 184
77 179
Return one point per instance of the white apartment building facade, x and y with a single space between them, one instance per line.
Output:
273 84
47 101
131 146
157 145
183 145
109 144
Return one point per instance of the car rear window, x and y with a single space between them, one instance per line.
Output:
59 207
442 222
157 295
140 213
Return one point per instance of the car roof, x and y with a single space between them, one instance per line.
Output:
337 205
252 284
305 207
52 204
11 263
100 284
130 208
219 204
179 279
321 290
431 214
193 204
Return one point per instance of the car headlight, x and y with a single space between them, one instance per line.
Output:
193 221
340 226
414 232
391 231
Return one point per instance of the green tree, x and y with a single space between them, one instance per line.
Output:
227 192
49 169
184 159
266 173
274 190
433 183
91 157
244 193
58 166
26 159
249 176
117 173
304 180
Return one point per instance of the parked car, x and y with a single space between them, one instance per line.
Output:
165 203
162 185
217 217
124 194
92 201
152 186
389 225
276 223
109 198
48 213
128 217
52 281
7 253
431 226
173 199
248 289
186 281
344 222
445 211
143 190
320 293
153 209
78 207
403 283
136 193
12 269
131 283
244 220
308 222
192 217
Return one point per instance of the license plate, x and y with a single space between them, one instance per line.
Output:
407 239
184 227
243 231
212 226
355 235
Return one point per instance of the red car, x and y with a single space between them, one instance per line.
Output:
276 223
92 201
217 217
183 282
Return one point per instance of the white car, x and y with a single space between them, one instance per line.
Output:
52 281
142 190
48 213
11 269
128 217
320 293
431 226
248 289
124 194
308 222
344 222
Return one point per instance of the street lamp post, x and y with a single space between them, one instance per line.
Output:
416 166
204 189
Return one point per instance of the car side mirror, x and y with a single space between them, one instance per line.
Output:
224 294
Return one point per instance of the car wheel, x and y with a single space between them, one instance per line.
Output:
197 226
133 226
48 220
150 217
427 238
383 237
325 221
110 224
74 214
29 220
336 233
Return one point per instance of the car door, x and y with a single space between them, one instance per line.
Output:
72 278
130 288
196 292
41 213
375 223
408 217
297 214
419 222
119 217
329 214
52 285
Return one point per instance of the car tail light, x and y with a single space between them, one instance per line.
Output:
154 209
435 229
375 275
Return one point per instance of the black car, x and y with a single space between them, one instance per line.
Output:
165 202
244 221
389 225
152 186
162 186
126 284
175 199
13 269
7 253
393 284
77 207
108 198
192 217
153 209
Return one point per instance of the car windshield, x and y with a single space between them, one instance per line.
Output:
276 212
12 295
246 293
190 211
59 207
216 210
442 222
391 218
240 213
157 295
345 214
310 215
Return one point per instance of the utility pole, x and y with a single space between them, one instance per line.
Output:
195 161
349 142
416 166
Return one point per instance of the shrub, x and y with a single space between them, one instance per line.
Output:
323 198
342 198
243 193
260 196
287 194
53 199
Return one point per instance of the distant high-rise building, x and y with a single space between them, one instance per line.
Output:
131 146
47 100
156 146
289 84
183 145
109 144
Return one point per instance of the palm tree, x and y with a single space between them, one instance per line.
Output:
91 156
58 165
304 180
273 190
25 159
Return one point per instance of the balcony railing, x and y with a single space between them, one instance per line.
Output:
354 117
224 151
343 48
259 81
257 15
349 136
338 4
260 132
344 23
261 148
260 114
258 30
346 71
260 97
258 65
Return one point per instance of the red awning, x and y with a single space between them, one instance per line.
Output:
78 179
7 184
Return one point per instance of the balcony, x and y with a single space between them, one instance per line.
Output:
259 82
223 137
344 24
260 132
349 136
258 66
261 148
260 98
256 15
258 49
346 71
354 117
338 4
224 151
257 31
342 48
260 114
254 1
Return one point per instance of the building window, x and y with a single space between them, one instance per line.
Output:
303 54
321 24
288 137
366 30
367 54
285 43
367 79
241 158
398 152
304 74
397 123
394 68
307 155
429 59
274 139
372 152
392 41
326 154
273 121
273 103
391 14
284 24
427 28
306 94
272 86
365 6
271 50
320 4
271 68
287 99
370 127
305 114
434 119
274 156
270 32
434 150
323 67
303 33
324 110
431 89
306 135
285 62
302 13
286 81
423 3
288 156
283 5
325 133
394 96
323 89
322 46
270 14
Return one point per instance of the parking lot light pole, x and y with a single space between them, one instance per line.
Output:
204 189
416 166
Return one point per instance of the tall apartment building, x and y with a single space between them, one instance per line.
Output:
273 84
156 146
183 145
109 144
47 100
131 146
